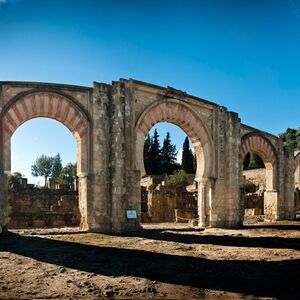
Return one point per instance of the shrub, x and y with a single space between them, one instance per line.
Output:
178 179
249 187
152 187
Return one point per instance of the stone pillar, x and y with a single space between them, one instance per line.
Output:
209 200
284 208
117 162
4 158
233 205
3 202
202 183
83 203
289 184
226 203
271 205
98 181
125 180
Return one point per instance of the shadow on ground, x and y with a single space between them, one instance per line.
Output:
260 278
221 240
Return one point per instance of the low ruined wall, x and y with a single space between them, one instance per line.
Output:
163 202
32 207
254 204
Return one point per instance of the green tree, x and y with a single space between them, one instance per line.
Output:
155 155
147 155
187 163
56 166
178 179
14 178
68 174
291 138
43 167
168 156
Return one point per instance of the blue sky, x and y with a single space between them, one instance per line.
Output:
240 54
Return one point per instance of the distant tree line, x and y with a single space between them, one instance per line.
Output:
291 138
163 159
51 166
48 167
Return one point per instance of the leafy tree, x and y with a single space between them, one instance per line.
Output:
291 138
43 166
168 156
187 163
178 179
56 166
14 178
68 174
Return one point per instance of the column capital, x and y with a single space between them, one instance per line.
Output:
203 182
82 174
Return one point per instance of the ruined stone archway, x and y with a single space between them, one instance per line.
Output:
62 108
258 144
110 122
180 114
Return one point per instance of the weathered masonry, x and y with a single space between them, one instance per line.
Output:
110 123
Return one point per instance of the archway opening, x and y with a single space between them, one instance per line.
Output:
168 187
43 183
56 106
180 114
254 186
264 152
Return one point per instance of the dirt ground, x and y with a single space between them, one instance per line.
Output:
161 261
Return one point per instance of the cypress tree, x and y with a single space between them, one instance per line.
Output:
155 155
168 156
147 155
187 163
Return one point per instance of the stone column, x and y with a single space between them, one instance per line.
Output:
289 187
3 202
282 205
83 200
226 204
202 183
98 181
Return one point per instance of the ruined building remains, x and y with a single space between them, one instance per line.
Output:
110 123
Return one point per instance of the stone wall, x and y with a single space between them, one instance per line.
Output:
256 176
163 202
32 207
